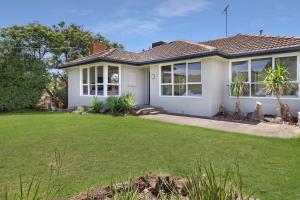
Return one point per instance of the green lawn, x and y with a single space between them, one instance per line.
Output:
97 148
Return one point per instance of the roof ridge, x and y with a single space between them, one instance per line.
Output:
211 48
271 36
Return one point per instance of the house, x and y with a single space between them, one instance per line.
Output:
187 77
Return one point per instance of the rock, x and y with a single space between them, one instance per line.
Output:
167 184
181 186
140 183
278 120
153 182
98 193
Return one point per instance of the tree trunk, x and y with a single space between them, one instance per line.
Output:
258 111
238 108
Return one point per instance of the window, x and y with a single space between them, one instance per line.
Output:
100 81
166 80
240 69
113 81
253 71
182 79
94 81
258 75
290 63
194 79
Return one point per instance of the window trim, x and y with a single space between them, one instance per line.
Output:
274 56
105 79
172 79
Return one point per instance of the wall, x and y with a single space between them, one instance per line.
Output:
206 105
138 87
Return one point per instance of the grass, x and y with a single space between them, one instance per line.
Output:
95 148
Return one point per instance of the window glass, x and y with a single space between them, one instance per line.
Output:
194 72
99 74
179 73
92 89
166 74
180 90
92 75
257 90
290 63
84 76
100 90
246 91
113 74
166 90
85 90
240 69
258 69
292 90
194 89
112 90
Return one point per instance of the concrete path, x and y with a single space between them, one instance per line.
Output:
261 129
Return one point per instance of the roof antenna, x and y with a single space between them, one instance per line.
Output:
261 32
226 13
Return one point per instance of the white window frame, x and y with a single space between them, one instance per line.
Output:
172 79
105 79
274 56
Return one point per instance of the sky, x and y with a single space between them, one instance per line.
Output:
138 23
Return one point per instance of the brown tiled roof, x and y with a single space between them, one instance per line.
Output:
241 43
229 47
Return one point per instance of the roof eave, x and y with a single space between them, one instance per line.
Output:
264 52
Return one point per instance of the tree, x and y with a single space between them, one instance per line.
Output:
52 45
23 78
238 88
277 80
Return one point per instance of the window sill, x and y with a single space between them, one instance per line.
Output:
191 97
272 98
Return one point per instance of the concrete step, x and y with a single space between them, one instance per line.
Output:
148 111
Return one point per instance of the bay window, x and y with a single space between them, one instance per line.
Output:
253 72
100 81
182 79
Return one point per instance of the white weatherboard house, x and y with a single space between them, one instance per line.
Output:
187 77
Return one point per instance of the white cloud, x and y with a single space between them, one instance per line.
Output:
75 11
152 19
130 25
175 8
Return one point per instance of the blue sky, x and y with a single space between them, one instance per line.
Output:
138 23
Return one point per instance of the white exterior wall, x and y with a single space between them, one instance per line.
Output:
206 105
269 104
215 89
138 87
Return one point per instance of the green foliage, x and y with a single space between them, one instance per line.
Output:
239 86
126 102
95 105
23 79
277 80
112 104
52 46
121 104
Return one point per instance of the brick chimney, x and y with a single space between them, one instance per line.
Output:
97 47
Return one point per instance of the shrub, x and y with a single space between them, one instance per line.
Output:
23 79
126 102
95 106
112 104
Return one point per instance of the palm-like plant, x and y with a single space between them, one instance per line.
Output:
238 88
276 81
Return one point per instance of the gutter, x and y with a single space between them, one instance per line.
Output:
178 58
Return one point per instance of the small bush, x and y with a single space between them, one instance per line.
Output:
112 104
95 106
126 102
